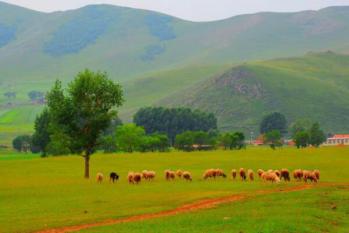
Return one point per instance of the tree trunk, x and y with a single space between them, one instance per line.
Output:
87 166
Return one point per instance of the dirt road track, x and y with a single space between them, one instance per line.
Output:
199 205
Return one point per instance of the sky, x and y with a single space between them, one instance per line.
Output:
194 10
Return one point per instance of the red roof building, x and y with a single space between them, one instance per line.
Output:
338 139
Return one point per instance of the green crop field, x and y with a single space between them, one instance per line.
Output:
43 193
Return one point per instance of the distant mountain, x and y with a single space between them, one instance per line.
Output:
163 60
315 86
127 42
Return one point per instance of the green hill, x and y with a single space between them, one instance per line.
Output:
315 86
151 87
127 42
157 58
18 117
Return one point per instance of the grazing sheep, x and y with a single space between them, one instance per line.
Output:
250 174
170 175
264 176
220 172
148 175
317 174
179 173
271 176
99 177
285 174
130 177
151 175
298 174
137 177
113 177
187 176
233 173
278 173
295 174
309 175
145 174
242 174
213 173
208 174
260 172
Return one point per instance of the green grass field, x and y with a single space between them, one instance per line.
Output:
41 193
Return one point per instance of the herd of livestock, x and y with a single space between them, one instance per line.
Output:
274 176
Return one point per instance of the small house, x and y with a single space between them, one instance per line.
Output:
337 139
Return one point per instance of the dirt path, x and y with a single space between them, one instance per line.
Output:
199 205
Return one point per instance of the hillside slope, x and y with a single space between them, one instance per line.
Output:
127 42
17 115
315 86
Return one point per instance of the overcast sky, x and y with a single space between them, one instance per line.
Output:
196 10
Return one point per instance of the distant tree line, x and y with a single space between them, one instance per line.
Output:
274 127
10 94
174 121
308 135
130 138
36 96
189 130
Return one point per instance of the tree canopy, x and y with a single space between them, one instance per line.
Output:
37 96
41 136
301 138
173 121
22 143
195 140
299 125
274 121
79 114
129 137
316 135
273 138
10 94
233 140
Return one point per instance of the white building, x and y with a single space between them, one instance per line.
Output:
338 139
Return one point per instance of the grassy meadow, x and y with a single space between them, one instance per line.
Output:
41 193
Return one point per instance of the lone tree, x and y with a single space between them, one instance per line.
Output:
316 135
273 138
36 96
83 111
301 138
22 143
274 121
